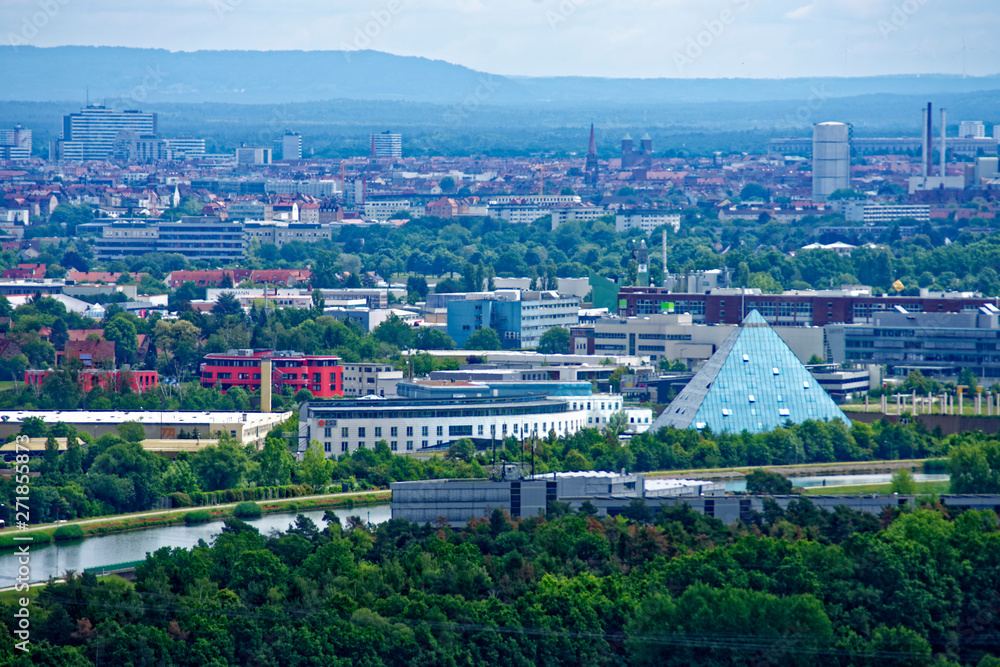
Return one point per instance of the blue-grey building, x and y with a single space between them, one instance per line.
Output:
936 344
519 317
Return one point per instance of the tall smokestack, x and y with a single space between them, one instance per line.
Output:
944 146
265 385
664 247
923 144
930 139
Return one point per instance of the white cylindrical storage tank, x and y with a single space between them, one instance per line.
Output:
831 159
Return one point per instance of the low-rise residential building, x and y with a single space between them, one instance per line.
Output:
646 219
371 379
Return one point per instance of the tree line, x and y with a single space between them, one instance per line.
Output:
667 587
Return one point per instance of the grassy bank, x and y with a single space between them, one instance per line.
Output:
882 489
834 468
128 522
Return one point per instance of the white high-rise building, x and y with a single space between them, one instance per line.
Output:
972 129
15 144
831 159
91 134
387 144
291 146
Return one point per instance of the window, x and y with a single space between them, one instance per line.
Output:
378 431
409 430
423 443
423 430
751 398
361 431
327 447
344 432
460 430
343 446
479 430
394 431
392 445
327 432
440 430
409 445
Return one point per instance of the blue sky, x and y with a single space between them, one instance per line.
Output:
615 38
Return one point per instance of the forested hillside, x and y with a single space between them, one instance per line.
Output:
795 587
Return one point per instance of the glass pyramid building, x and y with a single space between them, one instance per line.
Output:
753 382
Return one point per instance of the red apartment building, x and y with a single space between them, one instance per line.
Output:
321 375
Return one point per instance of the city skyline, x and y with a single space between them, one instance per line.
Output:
642 39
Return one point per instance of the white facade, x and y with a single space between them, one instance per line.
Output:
253 155
972 129
646 220
831 159
383 209
412 426
370 380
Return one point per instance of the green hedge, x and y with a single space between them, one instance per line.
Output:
72 532
247 510
198 516
180 499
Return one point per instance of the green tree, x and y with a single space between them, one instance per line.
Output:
462 449
122 332
315 467
394 331
221 466
902 482
554 341
767 482
755 191
483 339
428 338
131 431
974 465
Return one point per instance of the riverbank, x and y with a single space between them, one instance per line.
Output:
848 468
120 523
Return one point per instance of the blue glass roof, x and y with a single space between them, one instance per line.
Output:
753 382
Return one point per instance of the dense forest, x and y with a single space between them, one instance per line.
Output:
796 587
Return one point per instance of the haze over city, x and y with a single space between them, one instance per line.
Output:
634 39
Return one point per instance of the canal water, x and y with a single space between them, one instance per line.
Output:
841 480
52 560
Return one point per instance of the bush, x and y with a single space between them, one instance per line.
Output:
73 532
180 499
247 510
198 516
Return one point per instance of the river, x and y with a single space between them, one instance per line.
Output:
52 560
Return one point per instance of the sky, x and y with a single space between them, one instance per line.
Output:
610 38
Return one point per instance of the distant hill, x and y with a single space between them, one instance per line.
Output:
138 77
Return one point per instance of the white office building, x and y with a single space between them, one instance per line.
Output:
647 220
